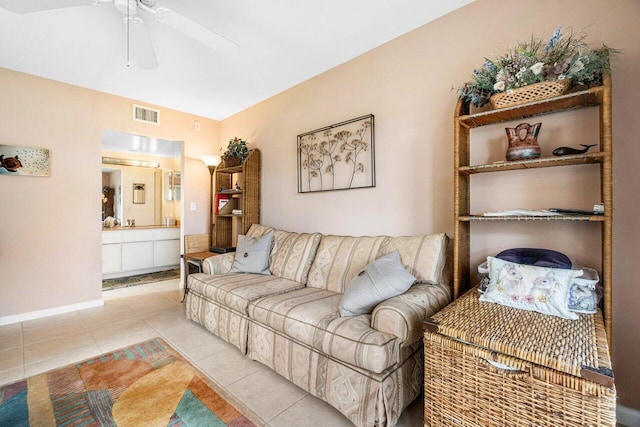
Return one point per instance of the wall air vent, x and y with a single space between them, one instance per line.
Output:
146 115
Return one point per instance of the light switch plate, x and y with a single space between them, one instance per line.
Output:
192 206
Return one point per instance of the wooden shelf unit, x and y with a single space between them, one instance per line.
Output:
585 98
228 225
591 218
547 162
599 97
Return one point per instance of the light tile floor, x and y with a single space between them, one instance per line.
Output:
134 314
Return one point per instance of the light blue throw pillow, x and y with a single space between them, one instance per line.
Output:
252 254
384 278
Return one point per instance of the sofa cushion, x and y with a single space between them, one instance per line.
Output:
422 256
252 254
218 264
384 278
310 316
340 258
292 254
403 315
257 230
235 291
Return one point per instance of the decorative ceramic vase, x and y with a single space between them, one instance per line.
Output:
523 147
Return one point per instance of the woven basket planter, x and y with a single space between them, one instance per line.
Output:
530 93
232 161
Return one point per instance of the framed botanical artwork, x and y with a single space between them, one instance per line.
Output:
24 161
337 157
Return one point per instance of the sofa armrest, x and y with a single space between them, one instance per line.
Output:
403 315
218 264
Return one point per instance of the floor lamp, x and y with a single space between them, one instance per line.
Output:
212 163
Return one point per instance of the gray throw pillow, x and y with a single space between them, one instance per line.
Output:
384 278
252 254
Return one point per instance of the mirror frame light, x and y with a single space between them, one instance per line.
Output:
128 162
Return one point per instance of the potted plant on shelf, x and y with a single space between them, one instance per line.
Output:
535 70
236 152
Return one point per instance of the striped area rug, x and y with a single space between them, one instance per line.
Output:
148 384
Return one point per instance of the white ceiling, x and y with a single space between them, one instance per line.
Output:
281 43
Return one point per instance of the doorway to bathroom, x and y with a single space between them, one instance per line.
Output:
142 204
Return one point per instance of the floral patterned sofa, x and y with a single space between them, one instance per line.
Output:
369 367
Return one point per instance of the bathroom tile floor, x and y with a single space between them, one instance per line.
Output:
134 314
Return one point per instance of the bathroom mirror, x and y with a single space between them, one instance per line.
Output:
171 185
141 178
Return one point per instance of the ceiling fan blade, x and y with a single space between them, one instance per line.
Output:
196 31
141 46
29 6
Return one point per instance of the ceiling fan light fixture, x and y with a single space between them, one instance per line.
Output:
126 7
138 39
140 43
133 20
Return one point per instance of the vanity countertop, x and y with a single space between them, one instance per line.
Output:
137 227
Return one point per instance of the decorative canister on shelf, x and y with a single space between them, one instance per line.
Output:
523 147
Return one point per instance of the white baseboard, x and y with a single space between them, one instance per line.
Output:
6 320
628 417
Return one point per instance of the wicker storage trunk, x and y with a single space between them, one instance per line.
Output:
490 365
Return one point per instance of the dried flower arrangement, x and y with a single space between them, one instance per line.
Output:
561 58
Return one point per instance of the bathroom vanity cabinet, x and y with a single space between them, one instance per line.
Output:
130 251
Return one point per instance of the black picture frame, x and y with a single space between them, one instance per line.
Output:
337 157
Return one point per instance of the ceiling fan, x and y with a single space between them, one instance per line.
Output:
138 38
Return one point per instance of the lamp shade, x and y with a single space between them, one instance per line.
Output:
211 160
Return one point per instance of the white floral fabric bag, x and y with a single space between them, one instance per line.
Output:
528 287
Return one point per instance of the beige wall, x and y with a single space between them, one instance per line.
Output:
50 229
142 213
407 84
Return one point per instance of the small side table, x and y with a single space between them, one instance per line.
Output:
194 260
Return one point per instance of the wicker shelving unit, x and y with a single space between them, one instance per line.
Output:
247 175
599 97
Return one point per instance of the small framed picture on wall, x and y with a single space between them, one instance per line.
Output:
138 194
